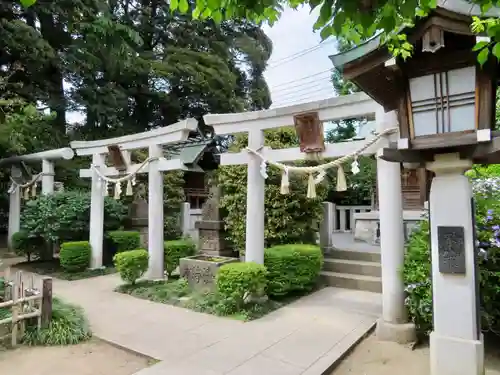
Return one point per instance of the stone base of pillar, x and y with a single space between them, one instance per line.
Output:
403 333
452 356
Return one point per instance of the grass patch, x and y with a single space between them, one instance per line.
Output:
68 326
178 293
53 268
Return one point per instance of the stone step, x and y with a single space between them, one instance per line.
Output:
350 281
354 255
356 267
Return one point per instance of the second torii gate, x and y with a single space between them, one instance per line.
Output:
123 170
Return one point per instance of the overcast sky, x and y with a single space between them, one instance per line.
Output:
299 68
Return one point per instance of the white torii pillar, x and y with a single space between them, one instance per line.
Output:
153 140
393 326
46 158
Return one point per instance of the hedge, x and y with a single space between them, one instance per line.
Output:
75 256
123 240
174 251
292 268
237 281
131 264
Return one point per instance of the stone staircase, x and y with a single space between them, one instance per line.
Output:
353 269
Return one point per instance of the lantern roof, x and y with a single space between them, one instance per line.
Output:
368 64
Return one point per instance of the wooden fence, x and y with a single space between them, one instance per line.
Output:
27 302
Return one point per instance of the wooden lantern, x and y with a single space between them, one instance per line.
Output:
444 99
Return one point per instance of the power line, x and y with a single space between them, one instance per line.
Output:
298 54
302 78
304 91
301 86
304 96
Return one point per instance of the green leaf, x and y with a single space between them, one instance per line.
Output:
482 57
174 4
213 4
183 6
496 50
27 3
325 13
196 13
480 45
338 22
217 16
326 32
206 13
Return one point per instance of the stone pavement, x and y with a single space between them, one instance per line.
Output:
305 337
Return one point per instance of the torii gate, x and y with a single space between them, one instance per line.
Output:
123 170
388 176
47 159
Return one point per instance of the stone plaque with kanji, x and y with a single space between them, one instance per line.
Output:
451 249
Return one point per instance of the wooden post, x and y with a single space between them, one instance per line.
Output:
15 307
46 301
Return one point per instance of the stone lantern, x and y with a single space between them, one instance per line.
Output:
445 106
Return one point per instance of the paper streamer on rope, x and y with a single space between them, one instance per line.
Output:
285 182
355 166
33 189
311 187
118 190
320 177
263 169
341 182
320 169
106 188
129 190
27 193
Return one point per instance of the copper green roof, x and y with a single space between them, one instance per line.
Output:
463 7
341 59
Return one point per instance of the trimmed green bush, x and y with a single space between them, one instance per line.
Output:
131 264
292 268
124 240
23 244
236 281
174 251
68 326
75 256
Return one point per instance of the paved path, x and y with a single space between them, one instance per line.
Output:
304 337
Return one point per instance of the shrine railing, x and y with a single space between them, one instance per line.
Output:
343 218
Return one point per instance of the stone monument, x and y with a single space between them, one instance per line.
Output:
139 216
212 235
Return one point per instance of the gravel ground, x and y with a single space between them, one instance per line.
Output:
92 358
373 357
